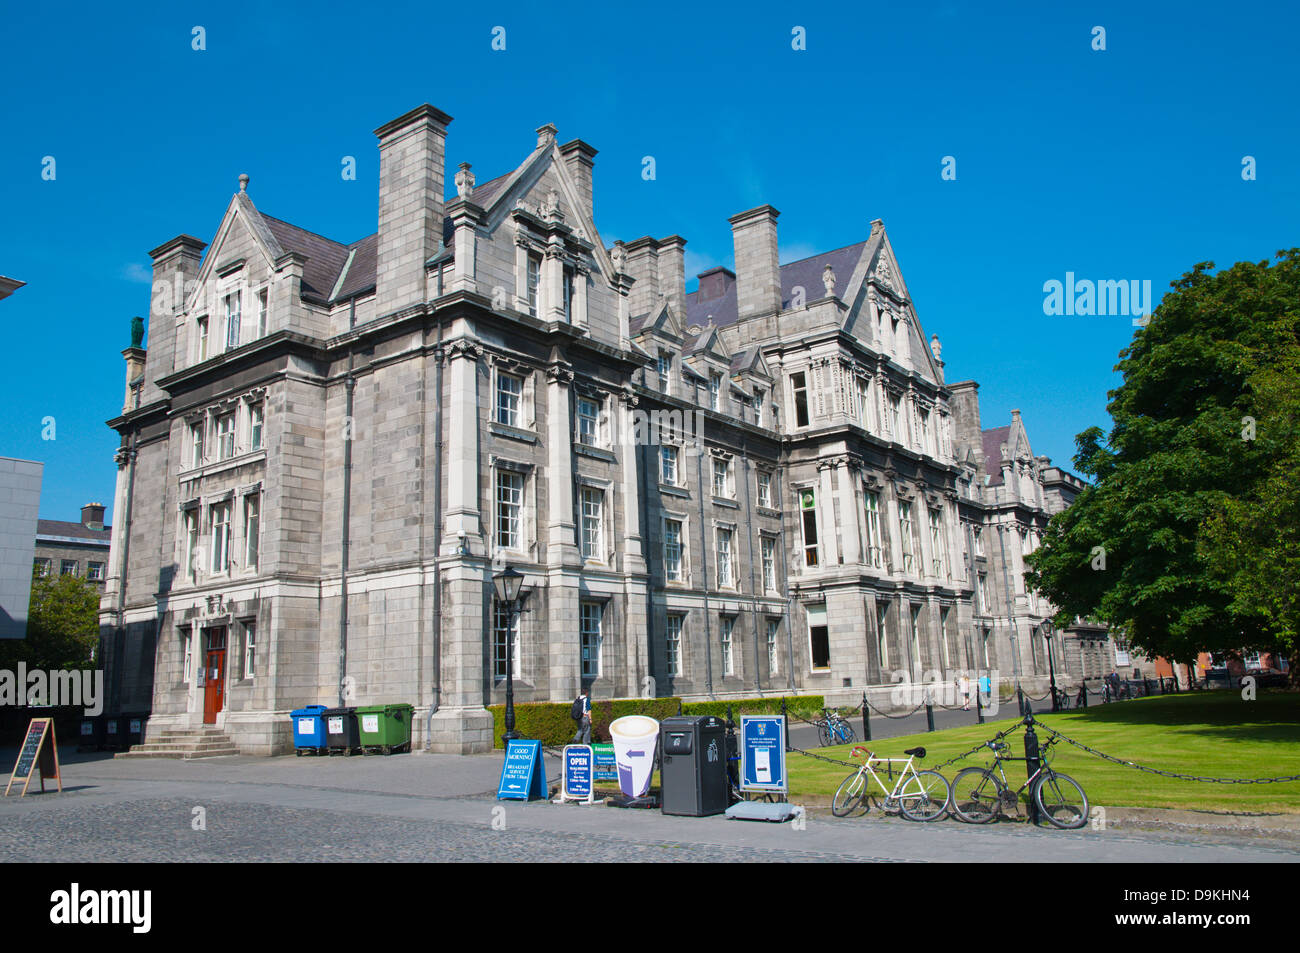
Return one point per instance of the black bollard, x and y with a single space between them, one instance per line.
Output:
866 721
786 719
929 712
1031 763
1020 700
1083 693
979 705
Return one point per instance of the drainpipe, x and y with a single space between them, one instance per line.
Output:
704 567
753 585
779 476
437 533
120 635
349 385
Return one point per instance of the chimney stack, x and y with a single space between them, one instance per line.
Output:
758 275
672 272
175 270
92 516
643 266
579 160
412 158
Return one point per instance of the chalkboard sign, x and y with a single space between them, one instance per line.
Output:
39 750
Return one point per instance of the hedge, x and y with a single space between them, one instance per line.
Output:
551 724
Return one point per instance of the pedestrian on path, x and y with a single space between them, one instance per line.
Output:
985 689
963 686
582 715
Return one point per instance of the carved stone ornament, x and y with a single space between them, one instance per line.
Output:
884 274
619 257
828 279
464 181
935 347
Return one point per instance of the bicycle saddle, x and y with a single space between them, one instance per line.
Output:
918 752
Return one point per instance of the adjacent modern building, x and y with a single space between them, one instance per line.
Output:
74 549
763 486
20 503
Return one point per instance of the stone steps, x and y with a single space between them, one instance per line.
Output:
185 744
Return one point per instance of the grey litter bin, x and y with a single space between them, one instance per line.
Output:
693 775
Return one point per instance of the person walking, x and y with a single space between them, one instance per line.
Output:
985 689
963 686
582 714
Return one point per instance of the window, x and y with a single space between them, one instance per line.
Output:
668 465
799 383
534 275
984 644
895 419
191 544
665 370
95 572
196 444
67 567
568 295
944 612
906 531
728 625
760 398
875 540
220 525
864 403
250 649
505 637
924 417
808 513
765 488
252 529
722 484
978 533
202 350
188 646
882 634
232 320
724 558
590 613
916 638
255 415
938 546
773 626
510 390
673 550
769 564
593 505
225 436
715 390
819 637
588 421
673 634
981 594
263 308
1024 541
510 502
41 567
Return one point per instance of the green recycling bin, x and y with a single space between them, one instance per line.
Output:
385 728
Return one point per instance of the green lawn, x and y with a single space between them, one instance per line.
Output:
1214 734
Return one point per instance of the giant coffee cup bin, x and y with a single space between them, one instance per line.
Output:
693 773
341 733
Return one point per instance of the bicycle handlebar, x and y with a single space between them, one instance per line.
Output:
857 748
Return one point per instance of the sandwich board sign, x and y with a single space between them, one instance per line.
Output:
576 775
604 768
762 754
39 751
523 776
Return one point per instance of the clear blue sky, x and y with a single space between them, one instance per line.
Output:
1117 164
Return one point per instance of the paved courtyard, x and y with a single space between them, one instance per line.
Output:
442 808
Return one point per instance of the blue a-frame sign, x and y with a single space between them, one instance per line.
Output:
523 775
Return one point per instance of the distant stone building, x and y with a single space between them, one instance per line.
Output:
76 549
329 448
20 503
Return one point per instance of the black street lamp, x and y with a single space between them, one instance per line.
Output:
1046 626
509 591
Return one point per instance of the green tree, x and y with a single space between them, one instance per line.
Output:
62 626
1155 545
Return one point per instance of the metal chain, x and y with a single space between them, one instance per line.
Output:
967 754
908 715
1166 774
809 754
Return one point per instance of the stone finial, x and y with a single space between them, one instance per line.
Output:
546 135
935 347
243 182
550 207
137 332
619 256
828 279
883 271
464 181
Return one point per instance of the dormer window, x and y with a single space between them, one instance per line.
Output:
799 383
232 320
665 370
263 311
760 397
202 350
534 278
715 390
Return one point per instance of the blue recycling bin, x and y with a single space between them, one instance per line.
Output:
309 730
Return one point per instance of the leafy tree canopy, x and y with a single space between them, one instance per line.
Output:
62 626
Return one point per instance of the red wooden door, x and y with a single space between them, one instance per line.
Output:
214 676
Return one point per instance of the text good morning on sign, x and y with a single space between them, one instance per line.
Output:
39 750
523 776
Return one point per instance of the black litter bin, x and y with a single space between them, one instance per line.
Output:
114 736
693 775
92 734
341 731
134 724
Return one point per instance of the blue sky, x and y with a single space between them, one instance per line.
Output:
1116 164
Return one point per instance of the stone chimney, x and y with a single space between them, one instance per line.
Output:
92 516
412 170
643 266
579 160
714 283
175 270
964 404
672 273
758 277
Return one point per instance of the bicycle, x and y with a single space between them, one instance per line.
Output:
834 730
979 795
1062 700
917 795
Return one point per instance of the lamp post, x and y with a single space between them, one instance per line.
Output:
509 592
1046 626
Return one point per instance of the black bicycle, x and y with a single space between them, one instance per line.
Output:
979 794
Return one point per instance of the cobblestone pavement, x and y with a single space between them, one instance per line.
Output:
441 808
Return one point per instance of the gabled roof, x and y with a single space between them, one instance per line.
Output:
993 440
72 530
325 257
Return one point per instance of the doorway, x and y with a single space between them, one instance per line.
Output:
214 674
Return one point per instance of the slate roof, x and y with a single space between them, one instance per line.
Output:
993 440
74 531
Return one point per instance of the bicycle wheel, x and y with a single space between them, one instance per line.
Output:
823 734
975 795
1060 799
849 735
848 794
925 796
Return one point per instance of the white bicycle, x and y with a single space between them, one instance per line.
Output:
918 795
